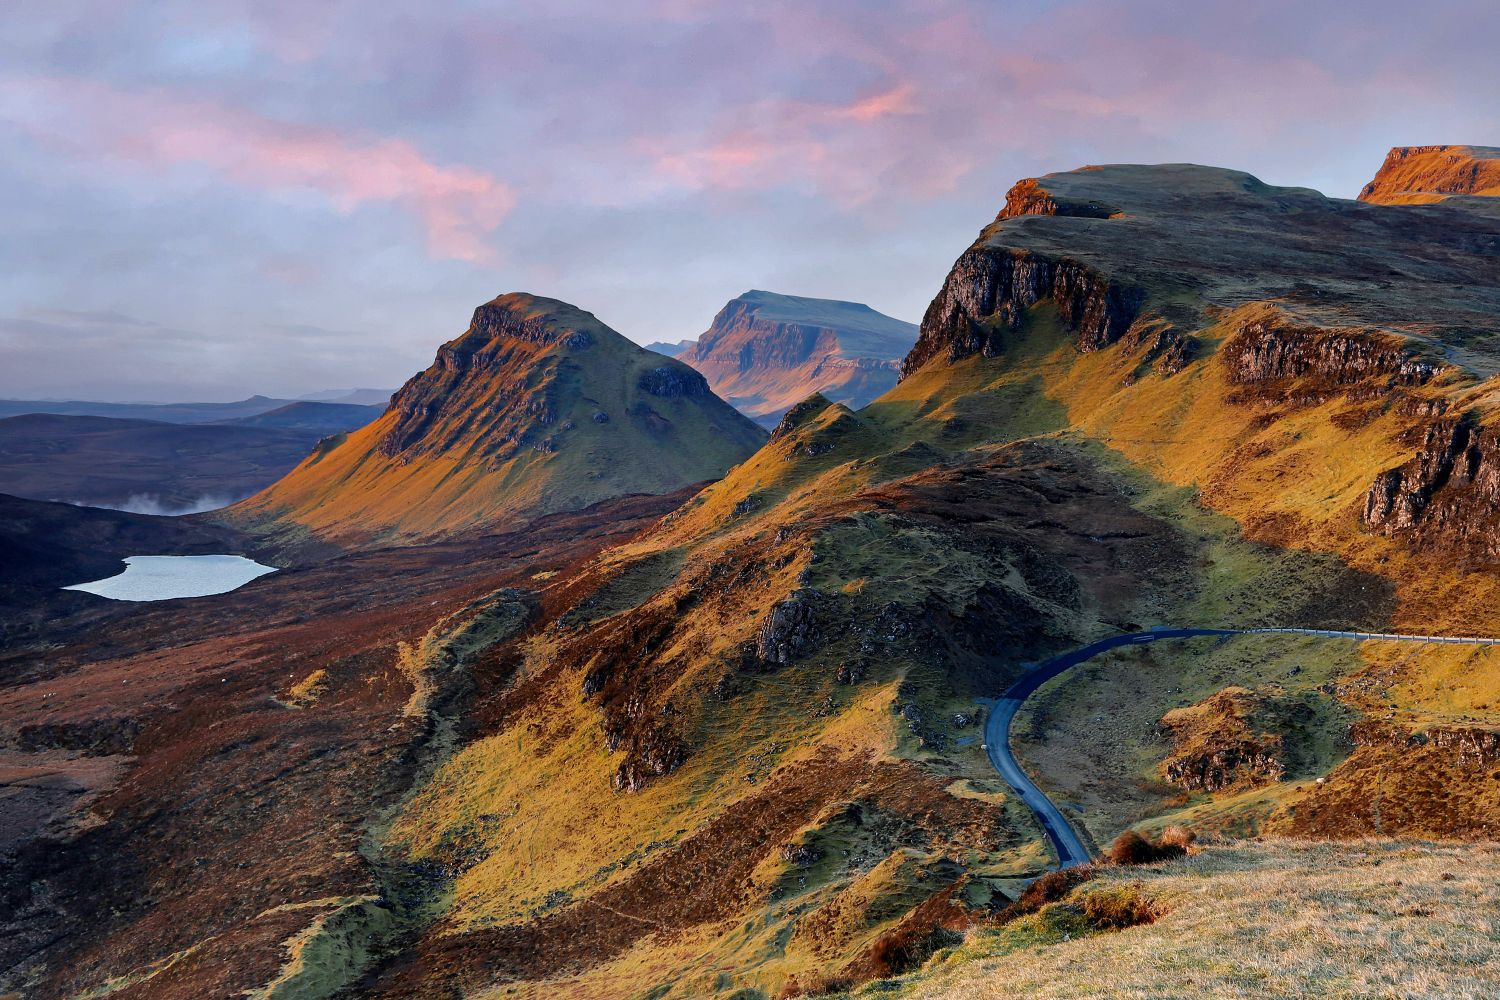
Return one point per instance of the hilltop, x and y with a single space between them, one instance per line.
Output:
537 407
671 350
1161 251
766 352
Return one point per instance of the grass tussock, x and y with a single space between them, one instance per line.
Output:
1130 848
1117 907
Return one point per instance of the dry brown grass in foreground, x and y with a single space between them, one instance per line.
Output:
1280 918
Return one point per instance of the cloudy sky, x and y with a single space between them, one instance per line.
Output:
208 198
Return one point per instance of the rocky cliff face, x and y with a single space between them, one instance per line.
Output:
1147 252
1418 174
766 352
536 407
987 293
1276 347
1030 197
1447 495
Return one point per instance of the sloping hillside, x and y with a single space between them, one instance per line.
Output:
1365 919
538 407
766 352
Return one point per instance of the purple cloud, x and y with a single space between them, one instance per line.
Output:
233 167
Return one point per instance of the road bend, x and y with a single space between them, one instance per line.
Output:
1067 843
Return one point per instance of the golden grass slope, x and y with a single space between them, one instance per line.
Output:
1253 920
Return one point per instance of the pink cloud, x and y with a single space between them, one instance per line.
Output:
846 151
738 161
459 206
896 101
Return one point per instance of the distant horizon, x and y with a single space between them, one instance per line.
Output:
145 401
210 200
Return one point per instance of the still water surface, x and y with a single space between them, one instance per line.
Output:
165 578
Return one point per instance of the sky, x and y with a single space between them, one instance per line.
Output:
210 198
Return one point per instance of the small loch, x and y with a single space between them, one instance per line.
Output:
166 578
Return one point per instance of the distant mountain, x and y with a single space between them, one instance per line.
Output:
357 397
142 465
320 418
1420 174
766 352
671 350
538 407
171 413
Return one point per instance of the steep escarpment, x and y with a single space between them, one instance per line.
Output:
987 293
1133 252
538 407
765 352
1277 348
1414 175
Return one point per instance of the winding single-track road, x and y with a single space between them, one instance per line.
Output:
1061 834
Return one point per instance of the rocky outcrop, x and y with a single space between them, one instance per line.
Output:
500 320
1029 197
1246 762
799 414
1469 747
1275 348
1462 746
1231 738
656 753
1161 345
1416 174
1447 495
785 630
988 290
